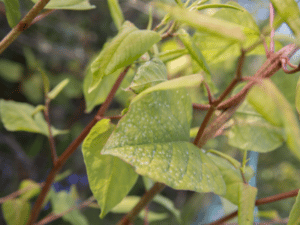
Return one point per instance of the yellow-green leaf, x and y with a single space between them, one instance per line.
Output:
68 4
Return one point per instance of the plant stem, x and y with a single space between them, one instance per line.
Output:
146 198
72 147
50 137
22 25
258 202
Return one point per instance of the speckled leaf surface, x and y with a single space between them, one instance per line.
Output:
124 49
17 116
149 74
153 137
110 178
231 175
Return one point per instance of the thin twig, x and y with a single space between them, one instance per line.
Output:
42 16
22 25
72 147
50 137
209 95
258 202
272 13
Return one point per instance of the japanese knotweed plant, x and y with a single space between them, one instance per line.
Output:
153 137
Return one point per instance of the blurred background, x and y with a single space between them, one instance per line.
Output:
63 44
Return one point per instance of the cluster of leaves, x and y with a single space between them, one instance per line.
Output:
153 137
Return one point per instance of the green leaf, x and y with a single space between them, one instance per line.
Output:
170 55
193 50
154 138
168 204
231 175
17 116
206 24
16 211
12 10
149 74
294 217
187 81
297 97
116 13
247 195
55 91
10 71
252 132
130 201
212 6
290 13
123 50
110 178
68 4
61 202
32 189
272 105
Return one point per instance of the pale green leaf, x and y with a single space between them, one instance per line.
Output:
294 218
193 50
247 196
12 10
10 71
231 175
297 97
252 132
110 178
63 201
211 6
149 74
170 55
16 211
116 13
17 116
130 201
187 81
206 24
55 91
154 138
68 4
289 12
123 50
32 189
272 105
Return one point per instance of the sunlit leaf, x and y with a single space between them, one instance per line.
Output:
294 217
247 196
212 6
61 202
124 49
110 178
272 105
12 10
170 55
149 74
68 4
17 116
32 189
16 211
154 138
116 13
205 23
53 93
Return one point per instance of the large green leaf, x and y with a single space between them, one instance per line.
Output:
110 178
247 196
68 4
12 10
231 175
149 74
272 105
61 202
154 138
206 24
124 49
252 132
290 13
193 50
17 116
16 211
116 13
294 217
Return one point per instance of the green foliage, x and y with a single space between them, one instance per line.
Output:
116 13
10 71
247 196
13 14
16 211
68 4
294 217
